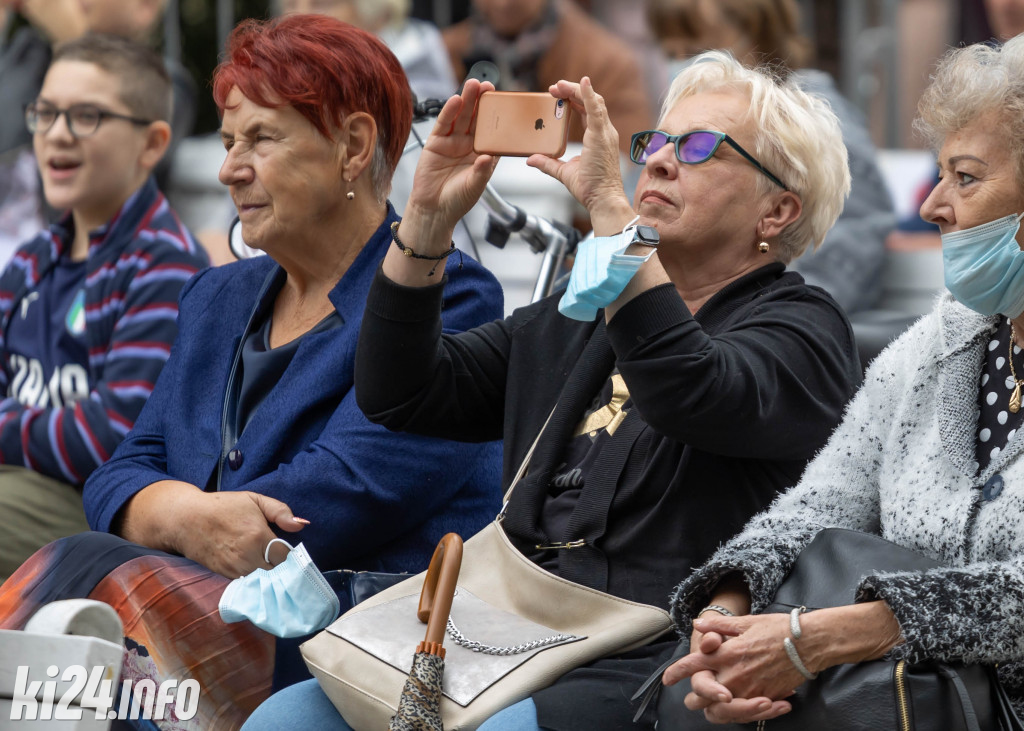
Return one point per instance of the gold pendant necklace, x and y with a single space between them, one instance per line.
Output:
1017 382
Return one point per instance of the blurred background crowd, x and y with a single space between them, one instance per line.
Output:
875 55
879 50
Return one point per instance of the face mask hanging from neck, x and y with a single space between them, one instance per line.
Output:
984 267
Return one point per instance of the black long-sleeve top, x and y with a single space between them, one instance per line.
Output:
731 404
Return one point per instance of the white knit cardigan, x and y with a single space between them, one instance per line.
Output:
902 464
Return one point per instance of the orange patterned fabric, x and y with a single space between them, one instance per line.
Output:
172 629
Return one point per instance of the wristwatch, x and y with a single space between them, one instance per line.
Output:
646 235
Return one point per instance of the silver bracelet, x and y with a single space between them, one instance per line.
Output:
794 622
715 608
794 657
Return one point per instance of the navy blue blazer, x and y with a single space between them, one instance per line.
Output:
377 500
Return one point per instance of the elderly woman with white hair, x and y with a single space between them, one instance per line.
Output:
928 455
682 400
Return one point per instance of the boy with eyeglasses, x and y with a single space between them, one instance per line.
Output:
41 26
88 308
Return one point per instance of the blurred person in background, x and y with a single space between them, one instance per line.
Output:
630 23
22 208
1005 18
23 64
1000 21
849 262
416 43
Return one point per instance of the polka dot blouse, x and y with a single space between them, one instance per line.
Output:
997 425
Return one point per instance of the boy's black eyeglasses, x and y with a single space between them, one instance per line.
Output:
692 148
82 119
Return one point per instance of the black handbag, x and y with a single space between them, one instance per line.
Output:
867 696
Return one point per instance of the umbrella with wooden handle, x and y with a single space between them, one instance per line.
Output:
419 707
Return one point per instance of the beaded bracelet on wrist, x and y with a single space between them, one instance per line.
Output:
408 250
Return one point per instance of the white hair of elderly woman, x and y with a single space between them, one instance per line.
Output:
798 138
972 81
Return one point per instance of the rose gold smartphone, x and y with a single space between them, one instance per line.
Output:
520 124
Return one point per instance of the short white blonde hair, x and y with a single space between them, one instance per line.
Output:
797 137
971 81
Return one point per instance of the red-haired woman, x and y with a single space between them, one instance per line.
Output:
254 420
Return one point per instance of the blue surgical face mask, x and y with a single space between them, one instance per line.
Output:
599 274
290 600
984 267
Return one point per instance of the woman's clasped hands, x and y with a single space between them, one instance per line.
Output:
738 669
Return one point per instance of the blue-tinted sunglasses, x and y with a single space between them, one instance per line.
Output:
692 148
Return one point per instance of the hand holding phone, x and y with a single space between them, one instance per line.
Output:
521 124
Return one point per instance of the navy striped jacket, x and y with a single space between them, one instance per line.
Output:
134 275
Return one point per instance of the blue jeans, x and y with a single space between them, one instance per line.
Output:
304 705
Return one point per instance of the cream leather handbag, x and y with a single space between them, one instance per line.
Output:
517 629
514 629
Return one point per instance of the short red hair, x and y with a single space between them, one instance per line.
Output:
323 68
